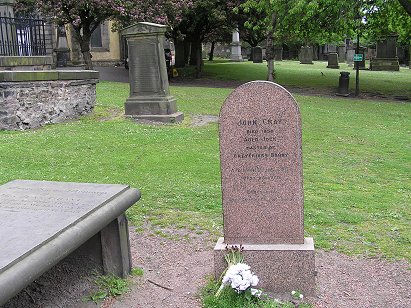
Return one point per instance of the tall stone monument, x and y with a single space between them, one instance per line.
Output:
62 51
262 187
150 97
236 48
386 58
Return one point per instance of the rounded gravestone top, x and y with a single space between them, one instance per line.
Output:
261 166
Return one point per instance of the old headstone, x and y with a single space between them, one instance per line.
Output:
150 97
306 55
330 48
236 48
333 60
350 57
262 187
341 50
278 53
43 222
257 55
386 58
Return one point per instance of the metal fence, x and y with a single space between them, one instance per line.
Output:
22 37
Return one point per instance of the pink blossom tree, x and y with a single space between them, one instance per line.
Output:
86 15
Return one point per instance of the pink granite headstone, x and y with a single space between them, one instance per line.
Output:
261 166
262 186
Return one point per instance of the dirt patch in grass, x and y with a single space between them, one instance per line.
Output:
111 113
174 270
202 119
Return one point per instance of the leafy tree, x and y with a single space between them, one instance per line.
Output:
202 22
86 15
248 26
270 11
386 17
325 21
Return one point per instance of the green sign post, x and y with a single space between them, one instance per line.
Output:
358 57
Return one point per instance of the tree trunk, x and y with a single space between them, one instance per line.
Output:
193 53
187 47
85 50
199 59
269 52
179 54
84 41
211 55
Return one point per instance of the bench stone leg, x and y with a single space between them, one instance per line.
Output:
115 247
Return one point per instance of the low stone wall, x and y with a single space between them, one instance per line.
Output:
30 99
26 63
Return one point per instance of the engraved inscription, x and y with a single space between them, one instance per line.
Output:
261 143
261 140
145 66
43 203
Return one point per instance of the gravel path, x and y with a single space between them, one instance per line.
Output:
174 270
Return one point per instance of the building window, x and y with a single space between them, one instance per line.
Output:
100 38
96 38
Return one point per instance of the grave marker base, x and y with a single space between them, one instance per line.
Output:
281 268
176 117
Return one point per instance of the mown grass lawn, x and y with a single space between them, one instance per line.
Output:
293 74
356 153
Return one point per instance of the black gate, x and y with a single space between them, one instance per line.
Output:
22 37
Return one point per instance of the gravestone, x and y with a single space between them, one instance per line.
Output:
341 50
43 222
257 55
330 48
278 53
333 60
386 58
236 48
150 97
306 55
350 57
262 187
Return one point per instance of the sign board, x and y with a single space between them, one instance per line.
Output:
358 57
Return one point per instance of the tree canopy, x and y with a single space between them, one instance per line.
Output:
277 21
326 21
86 15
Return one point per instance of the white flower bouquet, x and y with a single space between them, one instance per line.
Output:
238 274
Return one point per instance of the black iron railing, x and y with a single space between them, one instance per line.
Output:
22 37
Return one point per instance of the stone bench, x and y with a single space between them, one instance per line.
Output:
43 222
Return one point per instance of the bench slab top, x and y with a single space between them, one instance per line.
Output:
35 212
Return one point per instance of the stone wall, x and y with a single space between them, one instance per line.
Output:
33 99
26 63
